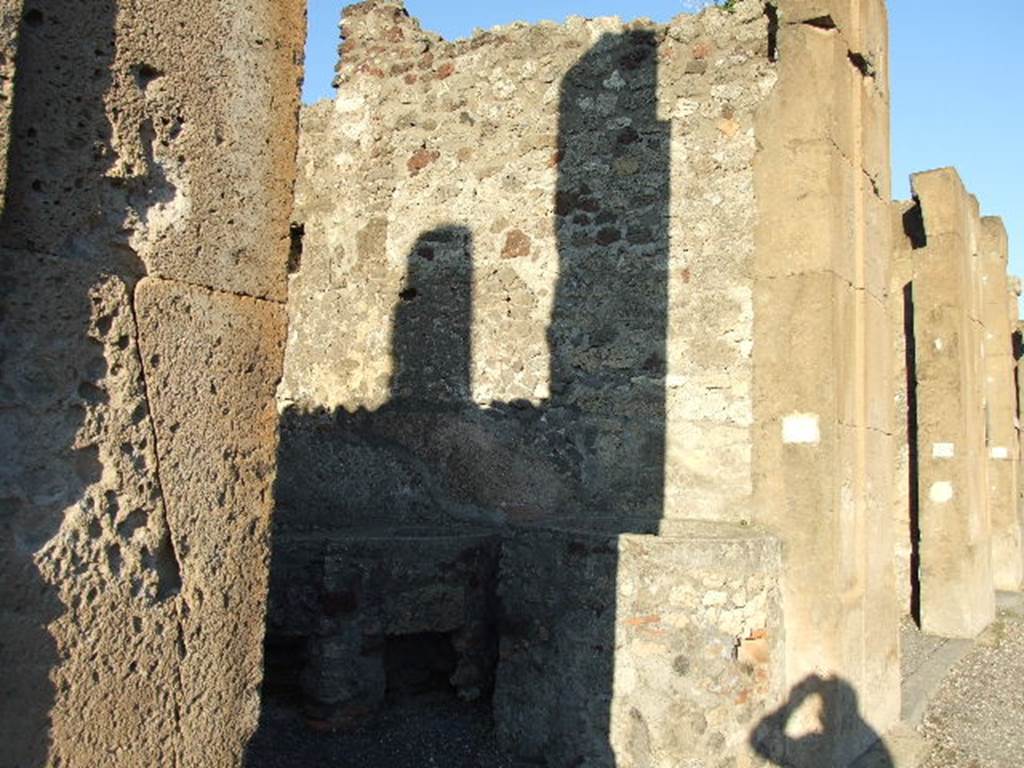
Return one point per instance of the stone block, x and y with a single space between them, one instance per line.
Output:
884 602
148 147
876 142
863 24
815 97
877 368
944 273
874 42
807 224
877 243
10 21
944 201
89 580
790 346
1007 544
212 362
957 598
999 317
827 14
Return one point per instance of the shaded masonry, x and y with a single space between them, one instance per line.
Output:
620 413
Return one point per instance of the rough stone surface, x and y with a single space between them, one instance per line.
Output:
977 717
350 613
212 364
90 618
10 18
822 442
697 635
1001 440
138 131
139 439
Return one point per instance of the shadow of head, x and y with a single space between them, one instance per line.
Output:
431 341
820 724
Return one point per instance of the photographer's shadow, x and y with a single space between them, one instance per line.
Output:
841 730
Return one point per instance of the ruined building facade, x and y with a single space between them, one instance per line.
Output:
588 373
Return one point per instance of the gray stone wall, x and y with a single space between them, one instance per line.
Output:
549 230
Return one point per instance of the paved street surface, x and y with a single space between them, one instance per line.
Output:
976 717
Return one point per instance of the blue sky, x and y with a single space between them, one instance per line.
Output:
957 81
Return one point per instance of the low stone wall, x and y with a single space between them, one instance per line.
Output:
695 621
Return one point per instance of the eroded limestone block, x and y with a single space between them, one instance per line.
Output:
1000 317
956 577
10 17
145 146
212 361
89 575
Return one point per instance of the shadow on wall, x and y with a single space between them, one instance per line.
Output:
444 576
384 592
833 701
51 371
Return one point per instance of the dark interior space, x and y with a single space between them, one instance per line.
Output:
419 664
912 463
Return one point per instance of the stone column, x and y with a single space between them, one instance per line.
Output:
1001 400
822 436
957 598
906 224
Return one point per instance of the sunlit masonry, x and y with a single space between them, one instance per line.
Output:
586 375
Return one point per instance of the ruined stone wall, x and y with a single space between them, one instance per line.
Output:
550 229
618 277
525 297
143 245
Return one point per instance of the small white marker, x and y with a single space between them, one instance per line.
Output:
941 492
943 451
801 429
998 452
